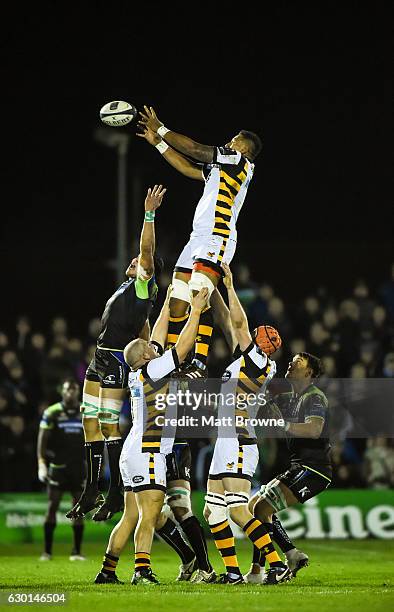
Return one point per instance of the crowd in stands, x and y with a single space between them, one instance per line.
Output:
354 336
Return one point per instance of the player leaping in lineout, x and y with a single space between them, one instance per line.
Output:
227 172
125 317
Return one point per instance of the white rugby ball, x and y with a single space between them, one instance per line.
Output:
117 113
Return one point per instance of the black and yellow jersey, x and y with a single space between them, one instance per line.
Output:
243 389
227 180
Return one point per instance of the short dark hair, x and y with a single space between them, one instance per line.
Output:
314 363
254 141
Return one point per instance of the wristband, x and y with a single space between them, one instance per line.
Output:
162 131
162 147
150 215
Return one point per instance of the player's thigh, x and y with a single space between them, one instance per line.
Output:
149 504
236 485
180 295
215 486
289 496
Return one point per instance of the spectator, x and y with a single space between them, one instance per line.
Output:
379 464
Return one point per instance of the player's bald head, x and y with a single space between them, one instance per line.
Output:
134 352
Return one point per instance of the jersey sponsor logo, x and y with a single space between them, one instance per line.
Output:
304 491
226 376
187 472
110 379
138 479
135 392
211 254
230 465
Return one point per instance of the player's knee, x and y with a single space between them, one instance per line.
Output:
240 515
110 430
161 521
51 513
237 504
109 416
91 427
178 499
215 510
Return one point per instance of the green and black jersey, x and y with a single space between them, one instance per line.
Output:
66 440
295 408
125 313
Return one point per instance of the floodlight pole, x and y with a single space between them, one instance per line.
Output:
119 141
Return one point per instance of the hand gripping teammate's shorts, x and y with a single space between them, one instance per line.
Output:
233 460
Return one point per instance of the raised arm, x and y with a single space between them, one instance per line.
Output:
222 318
188 335
239 320
187 146
153 200
160 328
175 159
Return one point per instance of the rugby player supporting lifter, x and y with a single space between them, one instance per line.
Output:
236 456
178 498
60 441
305 410
143 459
125 317
227 172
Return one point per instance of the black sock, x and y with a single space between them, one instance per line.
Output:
114 448
49 528
280 536
269 529
196 537
257 557
109 564
94 456
171 534
78 533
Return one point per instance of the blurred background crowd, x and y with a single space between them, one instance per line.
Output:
354 336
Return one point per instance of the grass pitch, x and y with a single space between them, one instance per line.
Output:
351 575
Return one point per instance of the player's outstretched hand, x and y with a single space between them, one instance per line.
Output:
154 197
200 300
149 119
228 276
149 135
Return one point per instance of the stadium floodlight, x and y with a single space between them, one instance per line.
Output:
120 141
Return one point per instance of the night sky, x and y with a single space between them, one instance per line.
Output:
313 79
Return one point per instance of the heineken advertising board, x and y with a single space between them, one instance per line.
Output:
335 514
